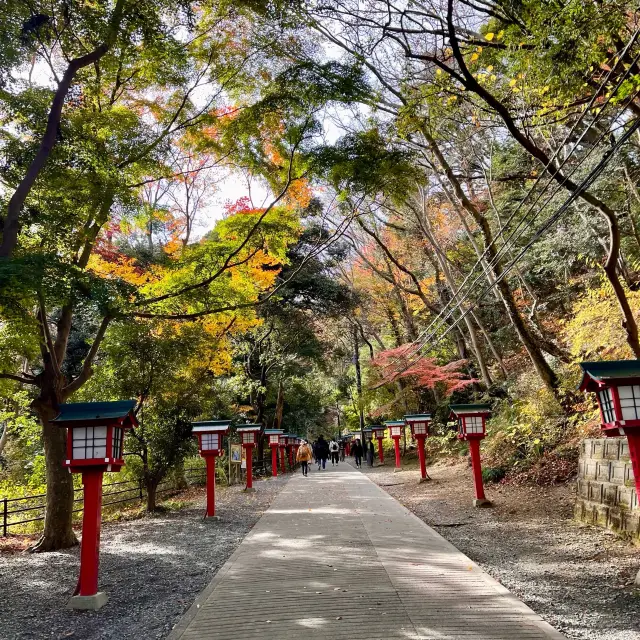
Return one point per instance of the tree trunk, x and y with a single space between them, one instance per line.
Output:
4 438
279 405
151 486
58 531
356 364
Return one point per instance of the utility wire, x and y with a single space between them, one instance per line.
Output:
582 187
509 239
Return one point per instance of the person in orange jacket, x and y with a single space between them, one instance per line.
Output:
304 456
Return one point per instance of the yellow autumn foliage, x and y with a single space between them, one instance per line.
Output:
595 330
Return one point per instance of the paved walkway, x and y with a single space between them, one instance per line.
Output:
336 557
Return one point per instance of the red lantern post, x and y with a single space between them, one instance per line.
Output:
249 437
377 431
290 442
95 434
396 428
274 443
419 424
209 436
283 449
472 428
616 384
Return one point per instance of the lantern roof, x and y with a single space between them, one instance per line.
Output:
210 426
462 409
97 413
597 374
248 427
273 432
394 423
376 427
417 417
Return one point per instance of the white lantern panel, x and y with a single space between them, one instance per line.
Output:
116 443
473 424
606 402
420 428
210 441
247 437
283 440
274 439
395 431
629 401
89 442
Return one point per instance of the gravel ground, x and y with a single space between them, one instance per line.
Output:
578 578
151 568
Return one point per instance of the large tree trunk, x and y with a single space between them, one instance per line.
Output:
58 531
356 364
151 486
279 405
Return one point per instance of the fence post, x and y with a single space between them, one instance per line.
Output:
4 517
140 490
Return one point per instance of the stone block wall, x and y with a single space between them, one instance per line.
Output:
606 494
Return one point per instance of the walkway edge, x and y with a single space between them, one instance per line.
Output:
534 618
187 617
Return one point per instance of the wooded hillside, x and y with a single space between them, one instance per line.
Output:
452 213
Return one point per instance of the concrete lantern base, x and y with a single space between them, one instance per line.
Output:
637 580
249 490
88 603
481 502
424 480
397 470
212 517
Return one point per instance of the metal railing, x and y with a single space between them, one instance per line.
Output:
11 517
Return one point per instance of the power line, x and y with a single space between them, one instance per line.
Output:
584 185
506 241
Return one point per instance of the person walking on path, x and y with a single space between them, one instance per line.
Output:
333 450
322 452
341 446
356 450
304 456
370 453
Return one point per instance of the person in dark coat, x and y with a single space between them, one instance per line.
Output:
370 453
356 450
322 452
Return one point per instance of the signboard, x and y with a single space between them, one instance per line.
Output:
236 453
243 463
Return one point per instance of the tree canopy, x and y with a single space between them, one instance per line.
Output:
431 201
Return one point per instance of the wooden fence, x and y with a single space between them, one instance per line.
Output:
26 509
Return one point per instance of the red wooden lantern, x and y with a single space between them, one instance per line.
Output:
419 425
209 436
396 430
283 449
249 438
95 433
472 428
378 433
291 440
617 387
296 446
274 443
